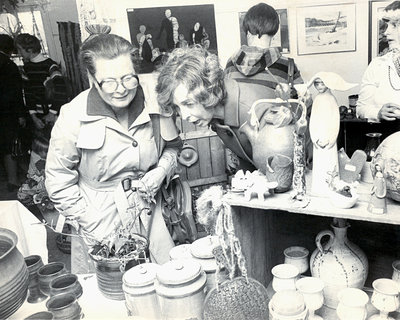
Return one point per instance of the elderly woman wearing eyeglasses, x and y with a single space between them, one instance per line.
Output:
109 154
379 98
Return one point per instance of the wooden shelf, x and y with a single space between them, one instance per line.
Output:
319 206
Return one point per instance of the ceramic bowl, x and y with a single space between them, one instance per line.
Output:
340 201
66 283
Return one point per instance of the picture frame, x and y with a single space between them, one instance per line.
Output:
326 28
195 22
281 38
377 44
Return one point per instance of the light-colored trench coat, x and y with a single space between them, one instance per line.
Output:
90 153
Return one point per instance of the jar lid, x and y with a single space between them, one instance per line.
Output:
178 271
181 251
203 247
141 275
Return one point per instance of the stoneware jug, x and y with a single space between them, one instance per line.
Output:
339 263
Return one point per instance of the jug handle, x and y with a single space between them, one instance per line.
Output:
318 238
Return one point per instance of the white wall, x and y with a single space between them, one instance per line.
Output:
350 65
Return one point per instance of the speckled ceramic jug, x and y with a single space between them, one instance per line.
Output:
339 263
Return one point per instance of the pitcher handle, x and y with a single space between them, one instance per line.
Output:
318 238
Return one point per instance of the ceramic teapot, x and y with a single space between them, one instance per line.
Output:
270 131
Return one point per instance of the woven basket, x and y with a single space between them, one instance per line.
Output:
237 299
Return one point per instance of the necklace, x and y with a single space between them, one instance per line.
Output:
390 80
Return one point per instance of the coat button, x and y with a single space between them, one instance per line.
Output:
134 143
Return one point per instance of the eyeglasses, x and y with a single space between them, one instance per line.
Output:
129 82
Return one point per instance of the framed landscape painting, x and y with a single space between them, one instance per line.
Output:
326 29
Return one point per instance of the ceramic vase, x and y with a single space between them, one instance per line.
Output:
66 283
14 275
297 256
284 277
34 263
339 263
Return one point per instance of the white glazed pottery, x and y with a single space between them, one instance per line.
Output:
339 263
385 298
312 290
297 256
352 304
287 305
285 277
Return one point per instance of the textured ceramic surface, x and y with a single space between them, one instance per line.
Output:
388 152
47 273
66 283
14 275
34 263
64 307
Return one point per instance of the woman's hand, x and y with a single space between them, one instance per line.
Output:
151 181
389 112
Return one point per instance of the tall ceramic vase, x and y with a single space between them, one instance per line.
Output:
339 263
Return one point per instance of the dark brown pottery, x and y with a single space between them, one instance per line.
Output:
49 272
34 262
42 315
109 271
64 306
14 275
66 283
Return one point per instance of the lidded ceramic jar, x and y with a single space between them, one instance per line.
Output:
201 250
339 263
180 288
140 292
181 251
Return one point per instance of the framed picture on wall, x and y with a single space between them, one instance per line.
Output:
326 29
157 31
281 39
377 43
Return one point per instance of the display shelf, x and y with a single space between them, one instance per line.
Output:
321 206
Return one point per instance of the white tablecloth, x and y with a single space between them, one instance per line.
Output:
31 235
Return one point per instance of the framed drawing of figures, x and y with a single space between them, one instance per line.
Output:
377 40
159 30
281 39
326 28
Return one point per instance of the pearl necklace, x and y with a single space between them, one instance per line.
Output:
390 80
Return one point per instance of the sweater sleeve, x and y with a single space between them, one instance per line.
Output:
366 106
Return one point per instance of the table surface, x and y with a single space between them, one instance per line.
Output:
94 305
321 206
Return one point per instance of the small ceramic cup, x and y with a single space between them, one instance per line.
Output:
285 277
297 256
352 304
66 283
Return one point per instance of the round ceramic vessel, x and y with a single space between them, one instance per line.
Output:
66 283
47 273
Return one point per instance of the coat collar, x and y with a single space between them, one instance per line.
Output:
98 109
231 103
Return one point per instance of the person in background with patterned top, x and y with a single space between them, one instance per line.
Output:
379 98
12 109
39 71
